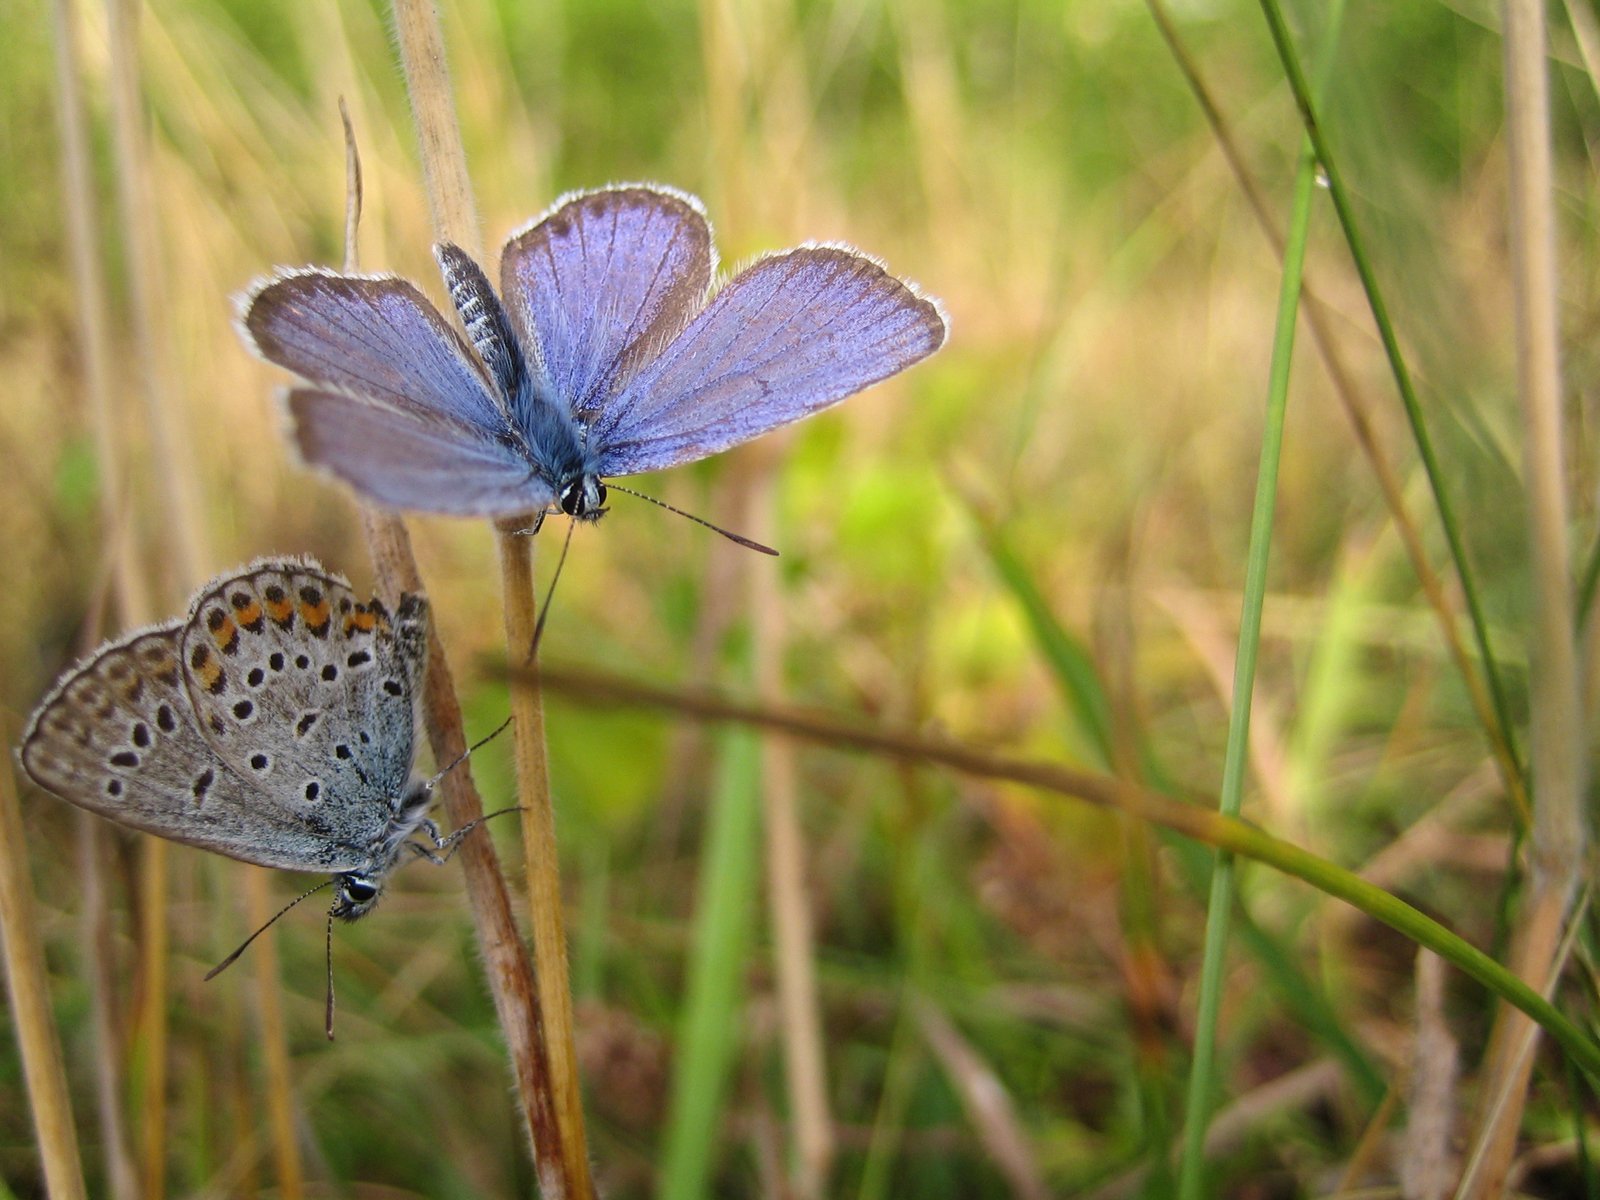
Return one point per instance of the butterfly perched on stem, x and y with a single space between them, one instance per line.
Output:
273 724
605 353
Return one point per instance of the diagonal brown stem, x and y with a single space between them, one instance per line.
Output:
506 964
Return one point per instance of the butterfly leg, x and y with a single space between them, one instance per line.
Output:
450 843
538 523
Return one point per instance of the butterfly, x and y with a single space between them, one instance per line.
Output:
604 354
273 724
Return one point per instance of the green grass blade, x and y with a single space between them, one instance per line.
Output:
1070 663
709 1030
1078 679
1220 904
1340 196
1221 900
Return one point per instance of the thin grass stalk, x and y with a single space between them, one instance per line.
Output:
1191 820
805 1064
180 544
29 988
905 1056
548 1067
990 1108
122 1180
1559 830
1198 1099
1320 325
278 1084
1485 1174
170 445
1345 211
130 591
744 53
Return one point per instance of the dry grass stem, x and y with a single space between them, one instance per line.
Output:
130 590
1558 831
988 1105
805 1063
540 852
180 543
1427 1153
278 1084
30 1005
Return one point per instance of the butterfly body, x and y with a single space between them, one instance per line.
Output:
274 724
604 353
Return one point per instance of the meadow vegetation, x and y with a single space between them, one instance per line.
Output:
1034 545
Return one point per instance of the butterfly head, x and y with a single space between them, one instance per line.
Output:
583 497
355 895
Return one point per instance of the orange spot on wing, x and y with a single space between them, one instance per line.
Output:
316 616
360 619
210 673
281 611
225 634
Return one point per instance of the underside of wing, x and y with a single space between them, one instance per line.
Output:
306 691
118 737
789 336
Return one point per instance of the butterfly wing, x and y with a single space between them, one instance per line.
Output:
408 460
600 283
789 336
117 736
306 692
376 337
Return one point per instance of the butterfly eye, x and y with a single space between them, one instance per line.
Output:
583 497
572 498
358 890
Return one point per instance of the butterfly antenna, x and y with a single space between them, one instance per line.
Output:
245 945
327 1016
462 757
727 533
549 595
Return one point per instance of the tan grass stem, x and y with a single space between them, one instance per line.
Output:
1558 833
130 590
540 854
564 1165
507 968
759 107
181 544
279 1081
805 1063
30 1006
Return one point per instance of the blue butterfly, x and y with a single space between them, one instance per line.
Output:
607 356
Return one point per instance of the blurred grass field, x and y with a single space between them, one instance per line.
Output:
1089 436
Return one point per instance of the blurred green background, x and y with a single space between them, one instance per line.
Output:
1043 169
